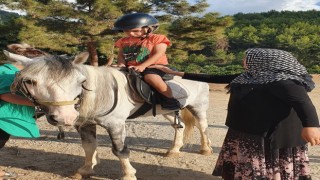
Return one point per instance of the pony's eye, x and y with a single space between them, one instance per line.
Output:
30 81
83 85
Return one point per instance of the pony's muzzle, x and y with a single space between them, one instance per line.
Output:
53 120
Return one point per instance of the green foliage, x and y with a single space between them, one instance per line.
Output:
205 43
222 70
6 17
195 68
296 32
222 57
9 28
315 69
69 26
198 37
197 59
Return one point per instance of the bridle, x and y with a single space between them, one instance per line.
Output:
40 106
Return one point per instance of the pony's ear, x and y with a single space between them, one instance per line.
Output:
17 47
16 58
81 58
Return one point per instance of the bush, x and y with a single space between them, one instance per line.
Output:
315 69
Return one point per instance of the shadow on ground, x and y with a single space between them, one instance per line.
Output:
54 163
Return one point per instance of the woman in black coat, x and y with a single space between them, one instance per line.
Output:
270 118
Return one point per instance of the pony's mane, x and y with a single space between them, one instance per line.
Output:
55 66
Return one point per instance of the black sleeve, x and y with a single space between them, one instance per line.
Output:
296 96
222 79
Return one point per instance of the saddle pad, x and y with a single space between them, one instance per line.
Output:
179 91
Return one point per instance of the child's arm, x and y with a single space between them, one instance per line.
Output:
15 99
159 51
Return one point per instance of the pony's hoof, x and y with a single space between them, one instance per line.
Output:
132 177
172 154
80 176
60 136
205 152
76 176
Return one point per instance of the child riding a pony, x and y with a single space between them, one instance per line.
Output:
141 48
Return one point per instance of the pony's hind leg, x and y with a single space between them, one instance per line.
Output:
177 143
117 135
89 144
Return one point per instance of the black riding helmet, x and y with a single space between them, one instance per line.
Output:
136 20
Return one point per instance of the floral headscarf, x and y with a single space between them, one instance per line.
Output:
270 65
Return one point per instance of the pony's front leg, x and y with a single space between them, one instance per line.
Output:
117 135
89 144
177 143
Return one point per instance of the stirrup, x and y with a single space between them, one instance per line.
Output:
177 120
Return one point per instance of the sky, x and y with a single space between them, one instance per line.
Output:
230 7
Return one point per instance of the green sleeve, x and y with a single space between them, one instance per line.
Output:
5 83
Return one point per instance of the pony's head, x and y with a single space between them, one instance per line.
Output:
47 81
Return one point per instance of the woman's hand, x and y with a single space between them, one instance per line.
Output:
311 135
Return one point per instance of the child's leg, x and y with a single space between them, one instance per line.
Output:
167 102
4 137
158 84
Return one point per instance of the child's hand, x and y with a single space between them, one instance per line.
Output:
118 65
139 68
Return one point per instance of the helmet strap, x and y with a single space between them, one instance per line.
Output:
147 31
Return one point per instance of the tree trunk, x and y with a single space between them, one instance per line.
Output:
92 49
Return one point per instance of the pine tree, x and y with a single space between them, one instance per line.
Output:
60 25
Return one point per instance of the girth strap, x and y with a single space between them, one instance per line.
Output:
141 111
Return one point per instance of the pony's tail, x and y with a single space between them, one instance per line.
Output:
189 122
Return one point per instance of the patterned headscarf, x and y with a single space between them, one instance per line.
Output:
270 65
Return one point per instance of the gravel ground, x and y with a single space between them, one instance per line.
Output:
148 138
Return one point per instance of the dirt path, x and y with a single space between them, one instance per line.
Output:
149 138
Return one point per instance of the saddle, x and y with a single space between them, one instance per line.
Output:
143 92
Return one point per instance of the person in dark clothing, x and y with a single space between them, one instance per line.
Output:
270 118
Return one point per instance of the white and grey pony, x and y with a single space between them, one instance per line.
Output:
85 96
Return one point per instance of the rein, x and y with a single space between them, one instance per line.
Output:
115 97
